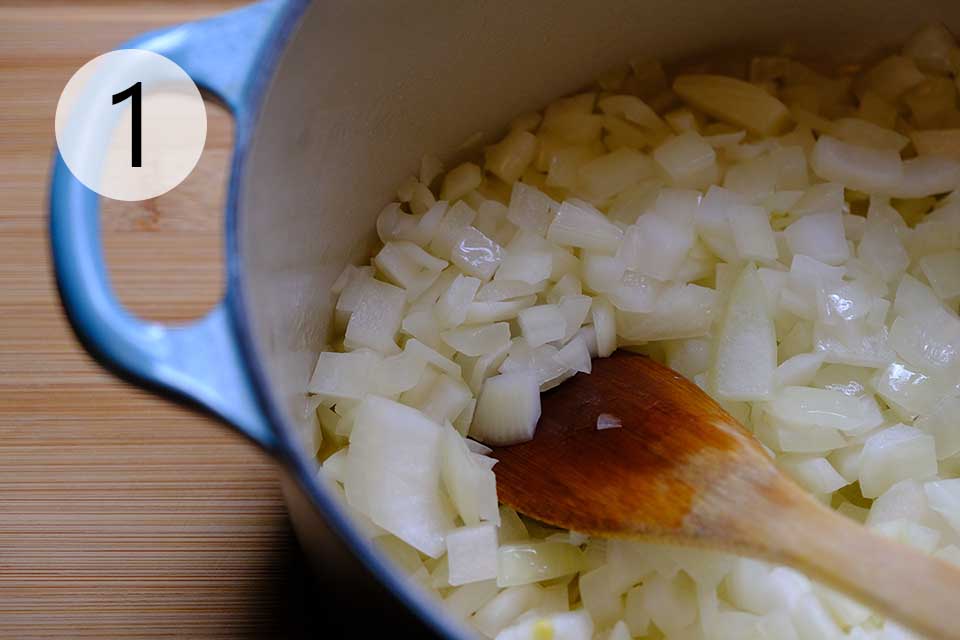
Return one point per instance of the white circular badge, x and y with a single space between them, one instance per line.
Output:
131 124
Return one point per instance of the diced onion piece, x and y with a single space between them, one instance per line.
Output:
478 340
915 298
932 48
577 224
854 343
608 175
472 488
671 601
713 225
472 554
394 445
344 376
602 273
904 500
941 424
448 231
530 208
475 254
451 309
529 562
927 176
575 355
633 109
530 267
541 324
656 246
510 157
444 401
752 234
397 373
463 601
407 265
482 312
866 134
681 311
499 612
688 160
734 101
746 348
944 498
880 246
575 309
460 180
819 236
802 407
857 167
608 421
634 293
894 454
376 319
499 290
417 349
910 389
605 326
930 342
798 370
754 179
892 76
508 409
943 272
476 370
814 474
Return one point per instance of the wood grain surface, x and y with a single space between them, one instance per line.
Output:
120 515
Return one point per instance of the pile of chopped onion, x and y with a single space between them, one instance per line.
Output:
789 240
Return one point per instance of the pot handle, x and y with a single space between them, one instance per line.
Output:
198 362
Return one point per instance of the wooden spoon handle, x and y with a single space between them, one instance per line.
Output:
897 581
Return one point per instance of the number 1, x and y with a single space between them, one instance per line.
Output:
132 92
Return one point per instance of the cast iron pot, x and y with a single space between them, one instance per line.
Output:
335 103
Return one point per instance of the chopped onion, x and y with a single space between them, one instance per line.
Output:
472 554
376 319
344 376
575 355
475 254
605 326
656 245
734 101
453 305
497 311
801 407
680 312
894 454
746 349
943 272
819 236
608 421
688 160
524 563
508 409
530 208
580 225
541 324
394 445
530 268
478 340
857 167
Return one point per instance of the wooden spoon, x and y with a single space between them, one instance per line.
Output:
682 470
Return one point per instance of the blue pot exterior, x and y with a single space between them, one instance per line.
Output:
212 363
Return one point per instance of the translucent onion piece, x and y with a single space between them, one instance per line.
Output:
857 167
507 409
472 554
734 101
895 454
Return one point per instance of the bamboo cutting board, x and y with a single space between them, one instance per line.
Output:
120 514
